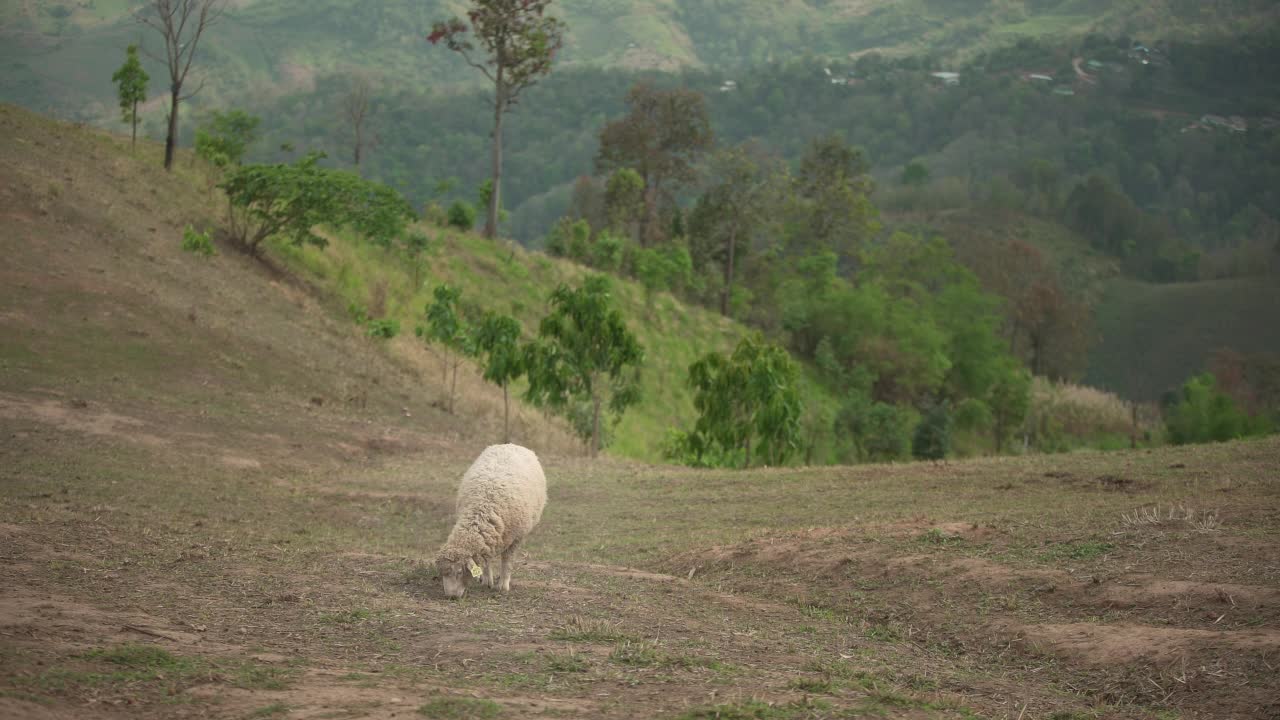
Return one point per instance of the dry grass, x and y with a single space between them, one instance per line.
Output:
1083 413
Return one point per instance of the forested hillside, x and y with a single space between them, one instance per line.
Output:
55 51
1041 190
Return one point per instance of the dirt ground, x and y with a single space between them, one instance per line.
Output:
217 502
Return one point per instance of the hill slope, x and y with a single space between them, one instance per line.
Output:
222 322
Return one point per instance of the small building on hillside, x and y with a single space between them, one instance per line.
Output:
1039 77
946 78
729 86
1235 123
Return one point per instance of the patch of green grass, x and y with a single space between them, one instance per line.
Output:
270 711
461 708
147 657
1087 550
580 629
571 663
936 536
346 617
756 710
883 632
812 685
646 654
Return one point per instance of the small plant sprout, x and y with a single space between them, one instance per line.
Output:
198 243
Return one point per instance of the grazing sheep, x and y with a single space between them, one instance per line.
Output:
500 500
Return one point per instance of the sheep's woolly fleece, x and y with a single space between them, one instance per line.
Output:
500 499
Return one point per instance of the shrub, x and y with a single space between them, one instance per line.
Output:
197 242
932 438
1205 414
462 215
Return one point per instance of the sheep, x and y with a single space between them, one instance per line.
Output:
500 500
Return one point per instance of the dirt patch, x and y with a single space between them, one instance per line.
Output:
242 463
1116 645
76 417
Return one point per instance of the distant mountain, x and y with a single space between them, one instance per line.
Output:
58 55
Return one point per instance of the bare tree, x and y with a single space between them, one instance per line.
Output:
182 23
356 111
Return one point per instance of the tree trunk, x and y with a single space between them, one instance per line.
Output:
171 141
506 416
642 229
495 197
747 462
357 152
134 145
453 386
727 293
595 425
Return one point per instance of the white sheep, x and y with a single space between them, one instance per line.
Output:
500 500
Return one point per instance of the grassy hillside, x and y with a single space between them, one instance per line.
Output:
506 278
58 54
1153 337
111 193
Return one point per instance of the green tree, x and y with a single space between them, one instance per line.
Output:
223 137
497 343
1009 401
292 199
833 183
661 138
1204 413
462 215
518 42
742 200
131 88
446 326
624 201
915 174
751 395
662 268
585 354
932 439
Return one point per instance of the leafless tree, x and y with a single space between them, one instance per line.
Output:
182 23
356 111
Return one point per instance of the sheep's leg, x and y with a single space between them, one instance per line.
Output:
490 577
508 564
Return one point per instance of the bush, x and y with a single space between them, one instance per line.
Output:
462 215
197 242
1205 414
932 438
888 433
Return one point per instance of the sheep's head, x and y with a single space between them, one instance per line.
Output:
455 573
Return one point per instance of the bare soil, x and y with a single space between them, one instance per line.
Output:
216 501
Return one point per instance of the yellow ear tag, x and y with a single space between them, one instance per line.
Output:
474 568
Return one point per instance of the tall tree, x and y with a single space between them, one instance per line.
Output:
518 41
662 137
834 183
741 199
355 111
181 23
585 353
131 87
